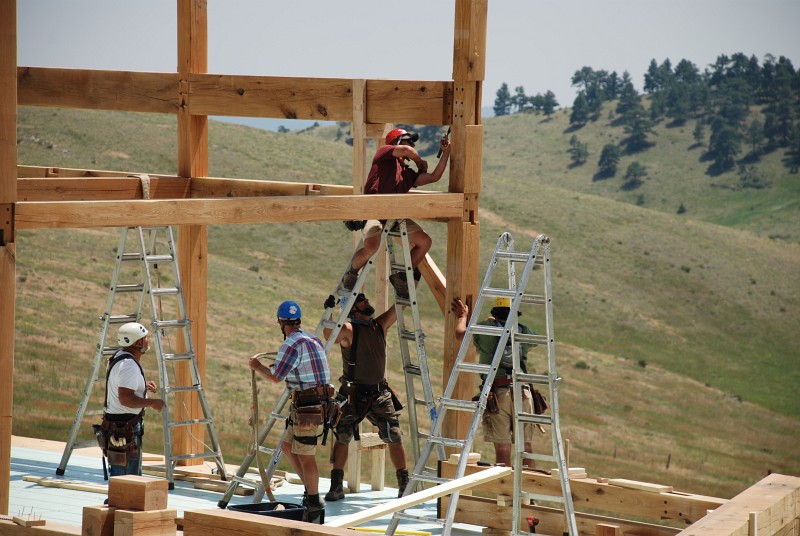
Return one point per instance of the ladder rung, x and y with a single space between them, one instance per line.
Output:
178 357
329 324
531 339
430 479
463 405
183 389
245 481
479 329
546 498
165 291
518 256
122 319
534 419
84 444
413 369
195 456
158 258
175 424
94 412
542 457
266 450
538 379
408 335
478 368
133 287
170 323
491 292
424 519
137 256
447 441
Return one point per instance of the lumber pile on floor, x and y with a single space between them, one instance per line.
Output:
137 506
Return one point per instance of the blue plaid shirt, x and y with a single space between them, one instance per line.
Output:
302 362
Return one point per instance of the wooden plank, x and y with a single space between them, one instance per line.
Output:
404 101
133 492
634 484
8 196
151 523
322 99
98 90
77 485
483 511
29 521
98 520
589 494
225 187
467 482
435 280
219 522
82 214
775 498
9 528
63 172
98 188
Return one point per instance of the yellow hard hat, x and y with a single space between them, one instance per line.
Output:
502 302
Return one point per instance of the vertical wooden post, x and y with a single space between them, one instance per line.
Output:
463 235
192 239
8 197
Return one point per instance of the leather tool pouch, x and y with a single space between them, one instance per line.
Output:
491 403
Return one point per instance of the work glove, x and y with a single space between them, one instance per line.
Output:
330 303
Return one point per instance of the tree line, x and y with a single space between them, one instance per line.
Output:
718 99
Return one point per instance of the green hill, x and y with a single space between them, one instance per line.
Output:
677 335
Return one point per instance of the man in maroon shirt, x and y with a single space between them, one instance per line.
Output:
390 174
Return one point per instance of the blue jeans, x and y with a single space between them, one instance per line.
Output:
134 465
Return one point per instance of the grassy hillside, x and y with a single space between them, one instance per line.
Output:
676 337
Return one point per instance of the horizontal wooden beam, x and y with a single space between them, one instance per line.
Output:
322 99
61 172
223 187
487 513
587 493
98 90
205 522
83 214
99 188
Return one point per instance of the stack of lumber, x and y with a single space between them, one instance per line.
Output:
137 506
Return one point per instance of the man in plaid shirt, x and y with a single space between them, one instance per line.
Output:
302 363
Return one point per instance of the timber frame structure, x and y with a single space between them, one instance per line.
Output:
42 197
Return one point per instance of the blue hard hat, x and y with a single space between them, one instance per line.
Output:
288 310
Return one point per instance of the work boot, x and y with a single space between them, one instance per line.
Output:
336 492
402 481
315 511
349 279
398 281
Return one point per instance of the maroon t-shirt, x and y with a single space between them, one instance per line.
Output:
388 174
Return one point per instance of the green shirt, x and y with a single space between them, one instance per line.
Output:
487 344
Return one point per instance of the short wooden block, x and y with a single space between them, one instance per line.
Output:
131 492
98 520
150 523
472 458
28 521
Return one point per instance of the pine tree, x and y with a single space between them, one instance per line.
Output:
502 103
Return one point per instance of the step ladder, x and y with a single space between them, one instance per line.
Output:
136 277
331 319
504 253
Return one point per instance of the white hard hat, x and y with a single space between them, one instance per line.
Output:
130 333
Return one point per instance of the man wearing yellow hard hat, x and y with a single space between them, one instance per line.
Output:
498 419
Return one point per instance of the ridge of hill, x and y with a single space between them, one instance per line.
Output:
676 337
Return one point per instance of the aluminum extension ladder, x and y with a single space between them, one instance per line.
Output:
334 321
504 253
139 262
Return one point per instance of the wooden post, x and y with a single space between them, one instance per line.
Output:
8 198
192 239
463 235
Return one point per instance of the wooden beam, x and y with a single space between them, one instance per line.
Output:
388 507
192 238
589 494
435 280
83 214
98 90
403 101
206 522
8 196
486 512
99 189
222 187
775 498
34 172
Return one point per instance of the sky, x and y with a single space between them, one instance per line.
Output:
536 44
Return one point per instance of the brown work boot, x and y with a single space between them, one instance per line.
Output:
402 481
398 281
336 492
315 513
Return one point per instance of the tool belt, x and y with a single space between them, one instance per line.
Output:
502 382
313 407
116 436
362 389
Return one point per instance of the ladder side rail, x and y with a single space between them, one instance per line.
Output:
558 446
98 357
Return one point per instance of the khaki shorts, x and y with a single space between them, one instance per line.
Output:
374 227
293 431
379 410
499 427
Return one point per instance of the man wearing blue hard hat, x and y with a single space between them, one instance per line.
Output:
301 362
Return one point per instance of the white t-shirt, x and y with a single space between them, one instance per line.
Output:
125 373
